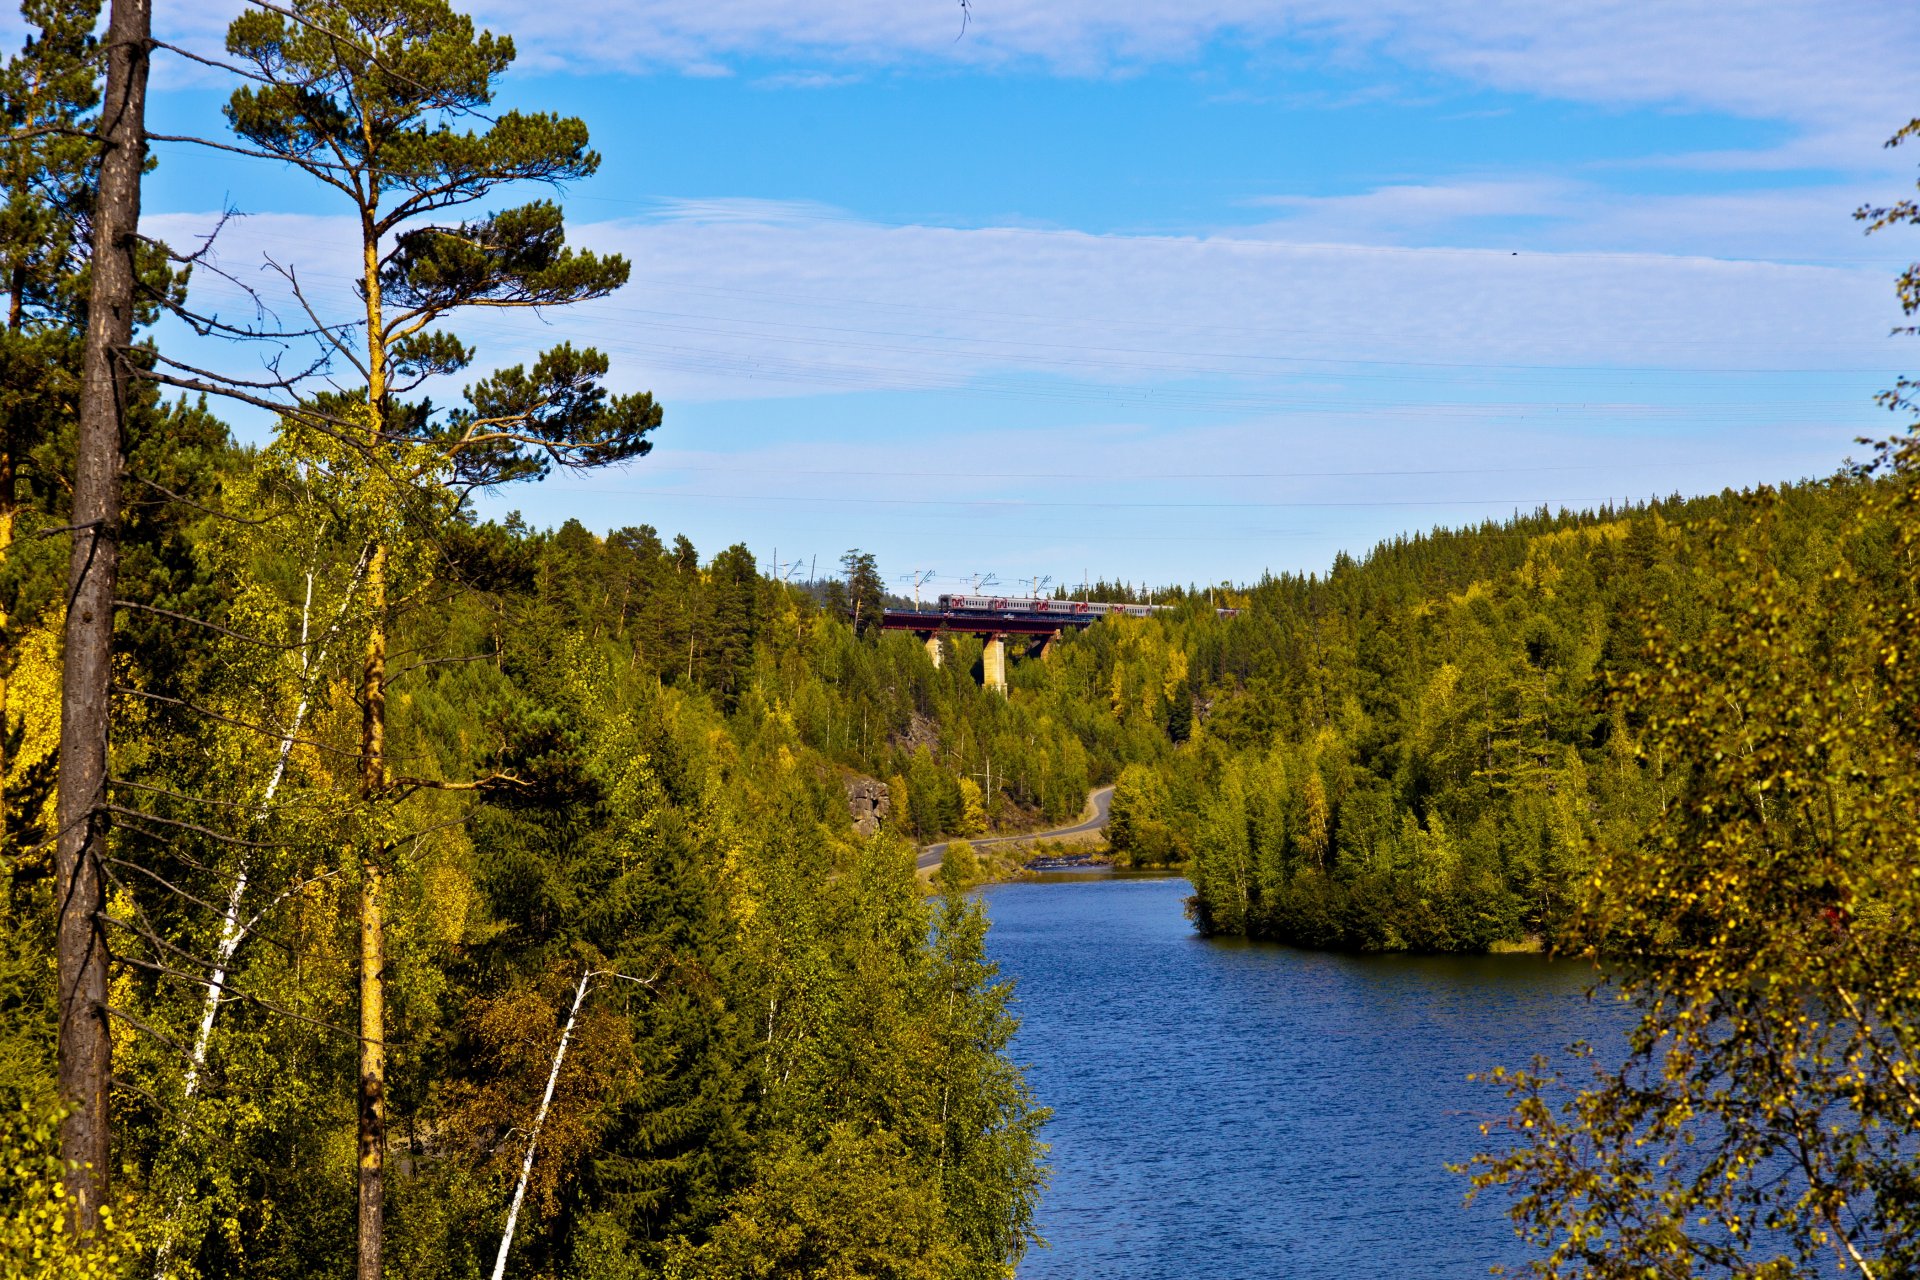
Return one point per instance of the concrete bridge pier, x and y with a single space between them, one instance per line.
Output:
993 665
936 650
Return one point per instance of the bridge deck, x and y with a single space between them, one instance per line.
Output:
985 624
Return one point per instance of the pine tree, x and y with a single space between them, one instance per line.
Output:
47 93
866 594
369 98
733 621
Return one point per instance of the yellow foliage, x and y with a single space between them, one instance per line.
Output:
33 698
897 801
973 808
1176 673
34 1241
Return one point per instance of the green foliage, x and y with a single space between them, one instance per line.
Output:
1761 1121
366 96
1759 925
805 1009
1137 827
866 594
1416 751
959 865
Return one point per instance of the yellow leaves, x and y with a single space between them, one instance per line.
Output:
1175 674
33 703
973 810
34 1242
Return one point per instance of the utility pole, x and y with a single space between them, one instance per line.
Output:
919 577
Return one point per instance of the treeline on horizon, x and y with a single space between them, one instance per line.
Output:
1425 748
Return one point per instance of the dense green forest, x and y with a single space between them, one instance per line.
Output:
385 887
1423 749
449 884
779 997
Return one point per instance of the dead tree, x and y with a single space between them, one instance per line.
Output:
85 1048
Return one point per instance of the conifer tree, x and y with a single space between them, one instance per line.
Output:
373 99
733 621
866 593
46 191
106 381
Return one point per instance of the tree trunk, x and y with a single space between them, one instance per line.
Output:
373 959
7 513
373 786
373 1075
87 674
533 1137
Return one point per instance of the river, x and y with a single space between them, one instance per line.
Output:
1243 1110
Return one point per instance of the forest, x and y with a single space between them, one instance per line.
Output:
396 890
1426 749
393 892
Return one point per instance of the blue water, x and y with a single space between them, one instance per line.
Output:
1236 1110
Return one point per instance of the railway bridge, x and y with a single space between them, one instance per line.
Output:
999 619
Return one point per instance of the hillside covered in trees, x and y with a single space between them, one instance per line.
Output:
1429 748
661 748
394 891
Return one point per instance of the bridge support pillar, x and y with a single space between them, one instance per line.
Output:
993 664
936 650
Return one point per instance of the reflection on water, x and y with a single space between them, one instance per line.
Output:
1232 1109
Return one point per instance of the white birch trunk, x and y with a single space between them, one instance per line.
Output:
232 932
540 1118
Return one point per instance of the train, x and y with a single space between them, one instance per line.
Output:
1042 606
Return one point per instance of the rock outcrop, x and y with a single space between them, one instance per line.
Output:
867 803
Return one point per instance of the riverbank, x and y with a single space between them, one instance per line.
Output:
995 859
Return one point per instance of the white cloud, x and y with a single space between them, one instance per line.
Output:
735 299
1209 372
1562 215
1821 65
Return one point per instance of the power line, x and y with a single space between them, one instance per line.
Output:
658 464
1022 503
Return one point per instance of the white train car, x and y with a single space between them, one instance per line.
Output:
1045 607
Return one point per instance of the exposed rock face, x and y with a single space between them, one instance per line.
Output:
867 802
921 732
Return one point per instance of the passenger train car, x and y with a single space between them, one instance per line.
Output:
1041 606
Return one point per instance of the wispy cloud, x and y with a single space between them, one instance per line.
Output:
1811 62
1297 396
808 80
736 299
1800 224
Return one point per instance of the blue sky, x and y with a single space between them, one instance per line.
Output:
1183 291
